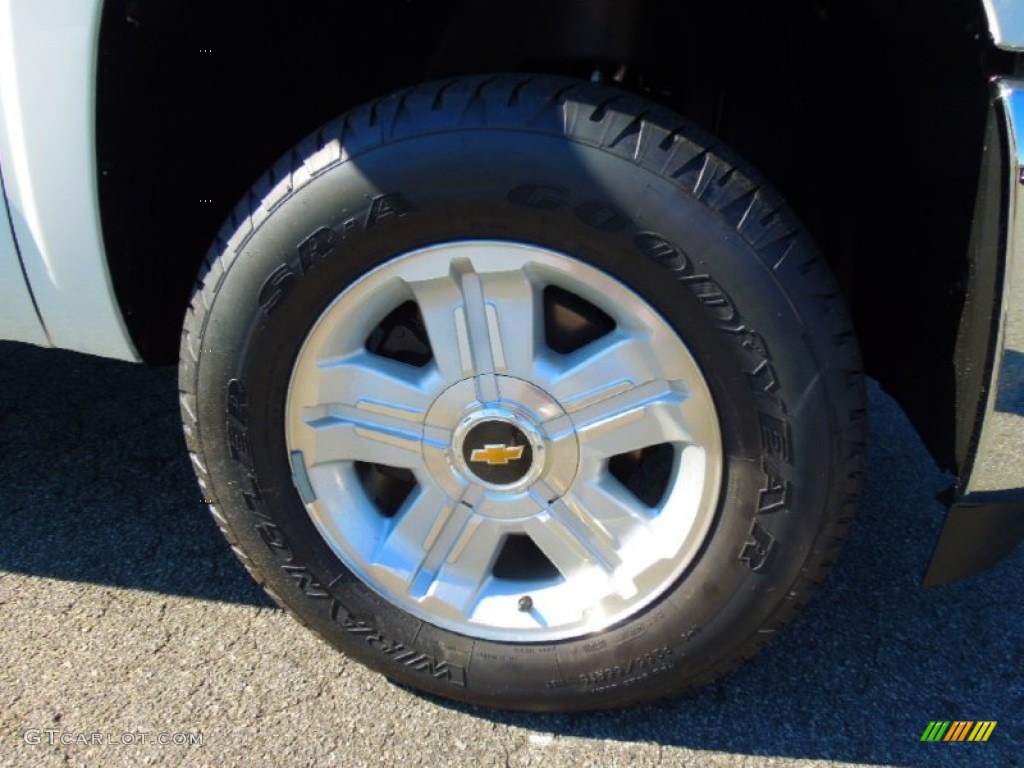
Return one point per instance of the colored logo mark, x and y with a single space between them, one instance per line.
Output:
959 730
497 454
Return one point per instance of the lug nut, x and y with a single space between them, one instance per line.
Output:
525 604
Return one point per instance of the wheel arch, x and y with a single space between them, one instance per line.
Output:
195 101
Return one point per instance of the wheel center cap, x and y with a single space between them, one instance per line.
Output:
497 452
504 447
499 449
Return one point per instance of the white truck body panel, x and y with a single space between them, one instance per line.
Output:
48 52
18 317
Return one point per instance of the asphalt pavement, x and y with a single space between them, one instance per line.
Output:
129 634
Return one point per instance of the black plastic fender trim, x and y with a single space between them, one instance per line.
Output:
980 530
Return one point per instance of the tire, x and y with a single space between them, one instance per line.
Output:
525 393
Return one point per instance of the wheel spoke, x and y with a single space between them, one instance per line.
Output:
441 307
354 433
466 573
480 324
609 511
700 423
414 536
440 551
611 364
514 321
371 382
650 414
608 507
582 553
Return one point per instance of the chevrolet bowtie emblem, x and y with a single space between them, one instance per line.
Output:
497 454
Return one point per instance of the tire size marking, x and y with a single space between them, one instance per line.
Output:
638 668
520 652
633 680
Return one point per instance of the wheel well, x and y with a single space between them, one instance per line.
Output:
868 117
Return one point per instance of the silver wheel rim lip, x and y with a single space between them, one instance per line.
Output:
435 557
